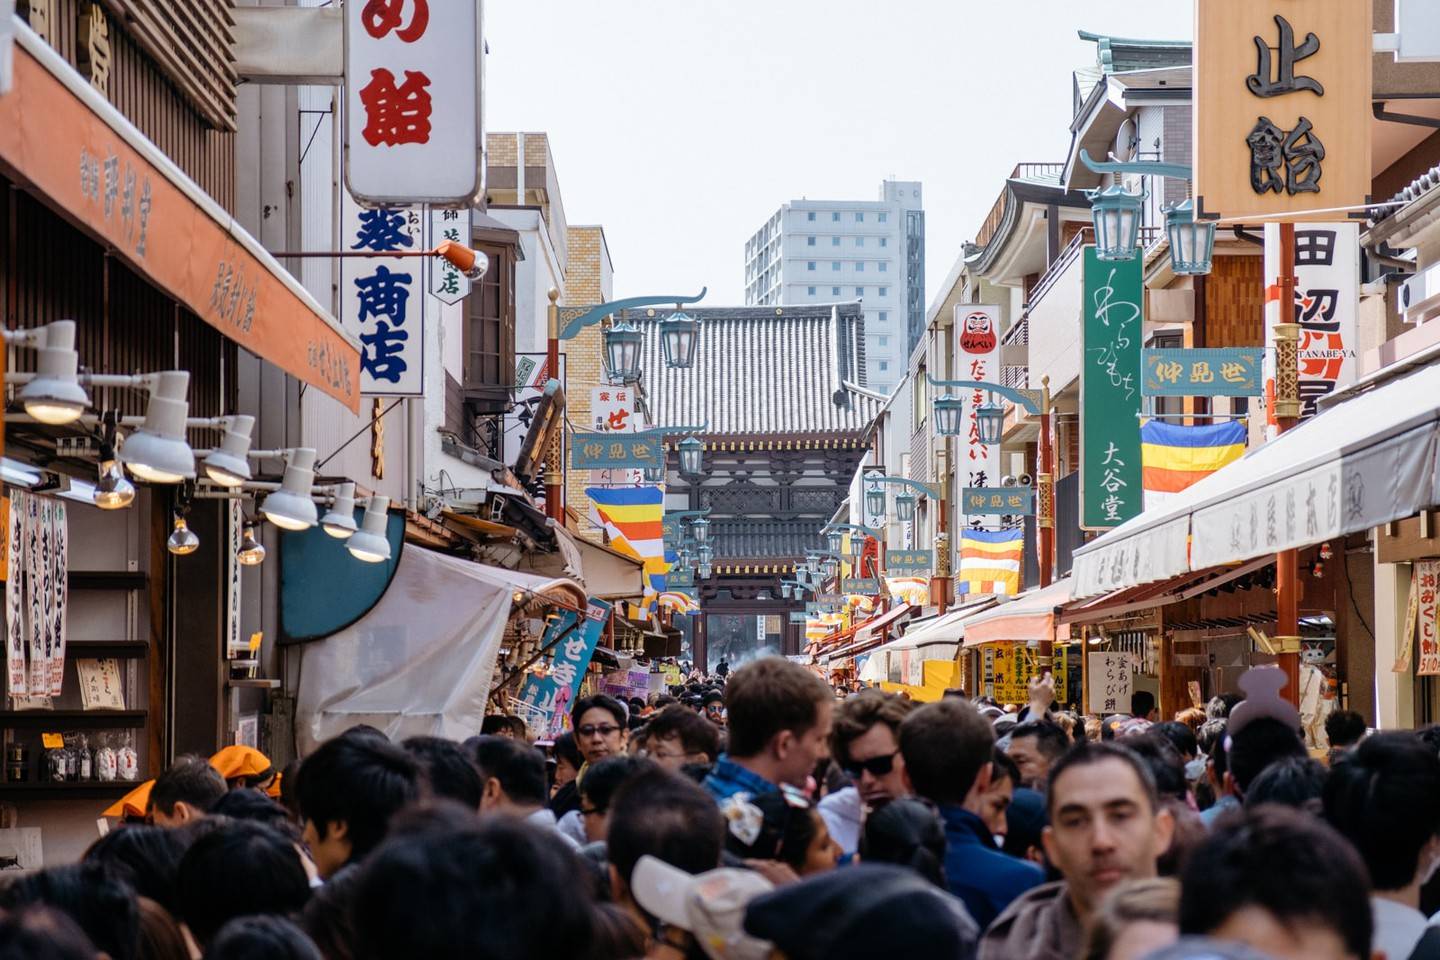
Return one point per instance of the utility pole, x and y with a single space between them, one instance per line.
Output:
1287 414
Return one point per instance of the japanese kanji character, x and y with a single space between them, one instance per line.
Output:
127 200
1112 455
383 295
1169 372
382 16
450 282
383 359
395 115
1267 157
1303 153
593 451
382 230
1314 247
112 183
1285 80
144 216
1232 371
1200 372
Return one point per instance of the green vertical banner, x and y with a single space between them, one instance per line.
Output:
1110 380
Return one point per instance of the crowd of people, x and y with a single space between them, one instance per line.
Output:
764 815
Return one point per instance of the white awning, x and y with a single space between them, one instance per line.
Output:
1365 462
949 629
1029 618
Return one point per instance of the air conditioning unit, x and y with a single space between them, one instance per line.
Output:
1420 295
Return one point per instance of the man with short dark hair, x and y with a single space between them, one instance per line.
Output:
1107 826
512 777
865 743
677 738
778 717
1344 729
1034 746
1142 706
1282 882
991 804
348 790
947 748
1384 797
448 770
185 792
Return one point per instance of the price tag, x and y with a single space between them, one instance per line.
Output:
52 741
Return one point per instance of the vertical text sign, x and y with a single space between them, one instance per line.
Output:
411 118
977 331
382 299
1110 489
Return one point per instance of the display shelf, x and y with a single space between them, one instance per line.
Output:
107 580
257 683
79 790
61 720
102 649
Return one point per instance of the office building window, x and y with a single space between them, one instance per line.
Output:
885 341
834 291
859 217
810 242
884 241
859 241
835 217
885 364
884 291
834 241
810 264
810 215
884 217
884 267
885 315
859 266
811 290
835 265
860 291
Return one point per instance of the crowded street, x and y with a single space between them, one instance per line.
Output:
941 480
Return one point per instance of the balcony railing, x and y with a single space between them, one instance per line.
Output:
1015 376
997 212
1059 266
1018 335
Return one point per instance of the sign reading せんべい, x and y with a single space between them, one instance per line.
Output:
977 332
1282 106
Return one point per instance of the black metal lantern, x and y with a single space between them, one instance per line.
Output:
700 529
949 416
1116 213
1192 242
875 501
834 540
679 333
622 351
990 422
905 507
692 452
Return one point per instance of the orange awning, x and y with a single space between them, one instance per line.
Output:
1029 618
64 142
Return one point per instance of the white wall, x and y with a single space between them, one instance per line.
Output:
1055 329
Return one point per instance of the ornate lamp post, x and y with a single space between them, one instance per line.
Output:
679 334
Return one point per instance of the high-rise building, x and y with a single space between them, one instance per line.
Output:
827 251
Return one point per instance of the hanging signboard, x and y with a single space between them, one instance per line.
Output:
382 299
860 585
798 616
1006 501
1282 110
612 410
412 106
1015 664
1202 372
447 283
919 561
1427 582
609 451
1111 682
1327 306
547 699
1110 488
977 357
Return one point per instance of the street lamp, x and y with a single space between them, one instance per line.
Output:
834 540
678 335
704 571
990 422
1192 242
1116 212
905 507
654 474
875 501
692 451
829 567
949 416
705 553
700 529
785 591
622 351
812 564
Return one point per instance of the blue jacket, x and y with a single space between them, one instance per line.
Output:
986 879
728 778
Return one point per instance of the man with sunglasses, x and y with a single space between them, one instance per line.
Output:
865 742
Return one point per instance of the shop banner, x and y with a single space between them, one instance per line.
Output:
624 684
1202 372
1427 578
1111 682
873 520
1110 490
977 330
382 299
572 655
902 561
537 695
17 679
447 283
1012 666
612 410
1002 501
1327 305
860 585
610 451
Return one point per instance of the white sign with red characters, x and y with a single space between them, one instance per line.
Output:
1427 579
412 116
612 410
977 357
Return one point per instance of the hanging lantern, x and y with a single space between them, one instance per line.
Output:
949 416
679 333
829 567
812 564
905 507
622 351
785 591
1192 242
1116 213
834 540
704 571
990 422
700 529
692 451
654 474
875 501
705 553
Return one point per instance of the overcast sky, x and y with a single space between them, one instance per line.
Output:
681 125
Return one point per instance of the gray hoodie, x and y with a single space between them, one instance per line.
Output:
1039 925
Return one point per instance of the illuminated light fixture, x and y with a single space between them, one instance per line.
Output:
692 453
182 539
1192 242
113 491
990 422
678 335
1116 213
472 263
158 452
949 417
290 507
372 543
875 501
834 540
227 464
622 351
252 551
55 396
905 507
339 520
700 529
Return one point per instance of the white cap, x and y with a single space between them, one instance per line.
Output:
710 905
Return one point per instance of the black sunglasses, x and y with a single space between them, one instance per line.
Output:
876 766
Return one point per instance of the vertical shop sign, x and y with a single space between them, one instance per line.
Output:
546 700
1111 682
1110 379
382 299
977 357
1427 581
447 283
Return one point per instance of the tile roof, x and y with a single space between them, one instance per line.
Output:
1414 190
758 370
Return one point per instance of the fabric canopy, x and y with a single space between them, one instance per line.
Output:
948 629
1028 618
1360 464
422 661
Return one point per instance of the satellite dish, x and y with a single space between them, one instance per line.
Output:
1126 141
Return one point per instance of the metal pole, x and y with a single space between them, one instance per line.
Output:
554 461
1045 511
1287 621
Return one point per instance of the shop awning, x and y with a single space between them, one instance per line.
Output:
863 636
1360 464
1029 618
948 629
606 573
66 143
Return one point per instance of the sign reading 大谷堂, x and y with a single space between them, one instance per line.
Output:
1110 377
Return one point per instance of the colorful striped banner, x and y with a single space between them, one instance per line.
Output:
1175 456
634 518
990 561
